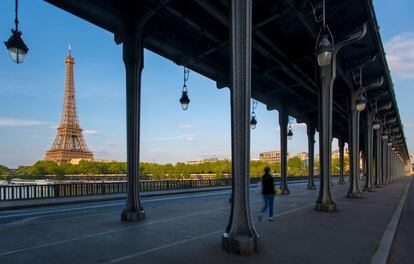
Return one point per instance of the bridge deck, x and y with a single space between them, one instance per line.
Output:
187 228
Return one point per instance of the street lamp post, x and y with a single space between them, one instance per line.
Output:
15 45
184 100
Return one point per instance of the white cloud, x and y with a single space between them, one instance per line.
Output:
111 143
185 126
91 132
54 126
13 122
400 56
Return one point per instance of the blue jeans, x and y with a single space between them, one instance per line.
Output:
268 203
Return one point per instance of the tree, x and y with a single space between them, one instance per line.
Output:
43 167
59 172
294 166
4 170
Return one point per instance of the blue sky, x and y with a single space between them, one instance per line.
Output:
31 94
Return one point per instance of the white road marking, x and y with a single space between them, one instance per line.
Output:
141 225
116 211
193 238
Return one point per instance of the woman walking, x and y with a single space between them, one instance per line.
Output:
268 192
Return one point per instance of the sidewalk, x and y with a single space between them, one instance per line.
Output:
349 236
403 247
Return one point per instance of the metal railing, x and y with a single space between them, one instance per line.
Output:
33 191
25 192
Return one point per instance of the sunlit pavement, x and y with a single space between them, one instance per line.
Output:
187 228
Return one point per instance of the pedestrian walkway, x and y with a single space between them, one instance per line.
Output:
403 248
187 228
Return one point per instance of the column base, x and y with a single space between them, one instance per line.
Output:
325 207
285 191
354 195
379 186
311 187
240 245
132 216
369 189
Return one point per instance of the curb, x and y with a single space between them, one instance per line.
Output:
387 239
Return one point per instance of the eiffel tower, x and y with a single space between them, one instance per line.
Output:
69 142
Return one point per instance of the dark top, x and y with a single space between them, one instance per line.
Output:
268 185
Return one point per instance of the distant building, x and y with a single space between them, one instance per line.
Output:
195 162
302 155
335 154
104 161
76 161
270 156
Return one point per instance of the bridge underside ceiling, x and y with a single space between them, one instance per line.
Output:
284 70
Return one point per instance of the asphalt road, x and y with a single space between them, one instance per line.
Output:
187 228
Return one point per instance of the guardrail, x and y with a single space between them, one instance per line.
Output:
33 191
25 192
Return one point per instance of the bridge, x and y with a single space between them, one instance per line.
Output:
322 63
183 228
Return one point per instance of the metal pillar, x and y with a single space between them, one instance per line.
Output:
389 165
378 167
311 149
325 202
327 78
283 123
369 146
363 172
241 237
383 161
341 145
133 56
353 146
393 166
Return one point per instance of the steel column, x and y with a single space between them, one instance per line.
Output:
369 146
133 56
283 123
311 154
378 167
327 77
341 145
354 159
384 161
363 172
389 165
241 237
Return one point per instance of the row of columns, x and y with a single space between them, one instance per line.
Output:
240 235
